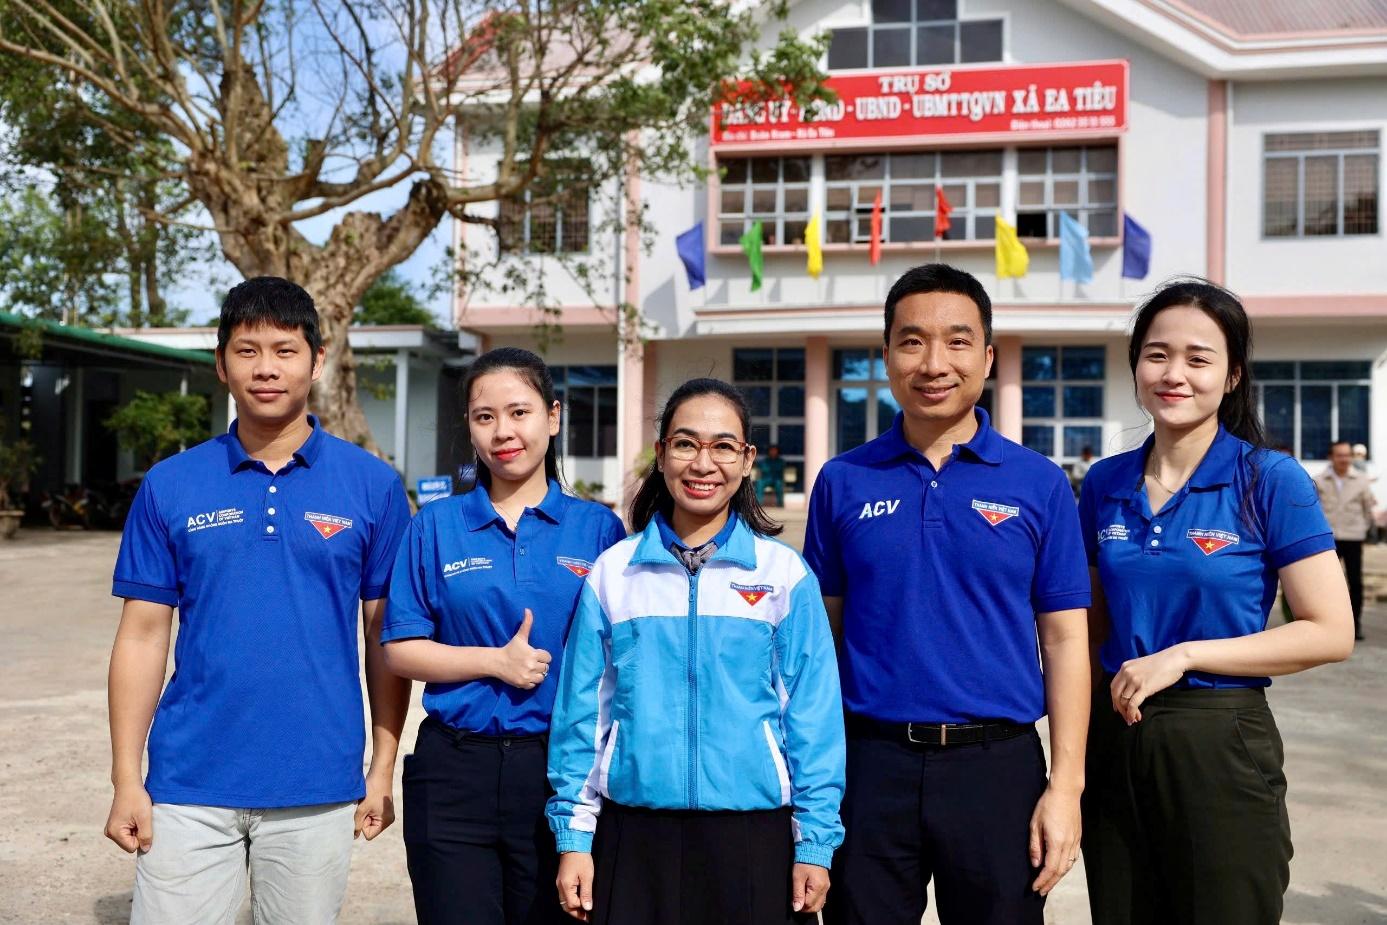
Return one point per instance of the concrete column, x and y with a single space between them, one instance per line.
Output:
1216 179
816 398
631 364
402 412
1008 359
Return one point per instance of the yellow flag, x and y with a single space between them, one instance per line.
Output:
1012 259
813 239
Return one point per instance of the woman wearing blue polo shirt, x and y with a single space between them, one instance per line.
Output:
483 591
698 731
1184 812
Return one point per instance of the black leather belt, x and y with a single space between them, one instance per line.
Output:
936 734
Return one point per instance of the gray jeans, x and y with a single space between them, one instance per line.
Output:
194 873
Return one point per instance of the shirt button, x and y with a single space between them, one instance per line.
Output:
933 484
273 489
1157 528
272 513
270 529
1155 542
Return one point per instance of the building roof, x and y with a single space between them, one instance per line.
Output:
88 340
1267 19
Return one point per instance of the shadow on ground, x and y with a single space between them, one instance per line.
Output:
113 909
1340 904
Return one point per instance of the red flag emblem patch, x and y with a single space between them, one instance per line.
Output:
995 513
1211 541
327 525
579 567
752 594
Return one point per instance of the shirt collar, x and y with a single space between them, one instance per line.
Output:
735 543
478 512
985 445
1214 470
306 455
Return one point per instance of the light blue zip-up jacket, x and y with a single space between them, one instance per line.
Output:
716 691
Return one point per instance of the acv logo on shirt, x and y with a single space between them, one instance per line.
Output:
1114 532
462 566
226 517
752 594
879 508
579 567
995 513
328 525
1211 541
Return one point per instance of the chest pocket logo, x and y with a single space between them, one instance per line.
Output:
1211 541
328 525
1114 532
995 513
579 567
752 594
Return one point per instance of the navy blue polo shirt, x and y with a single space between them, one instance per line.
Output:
1205 566
942 574
264 708
464 579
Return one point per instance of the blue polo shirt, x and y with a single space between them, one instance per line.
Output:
464 579
942 574
1205 566
267 570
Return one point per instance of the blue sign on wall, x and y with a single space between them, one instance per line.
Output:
433 488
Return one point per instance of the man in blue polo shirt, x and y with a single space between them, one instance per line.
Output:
268 539
943 550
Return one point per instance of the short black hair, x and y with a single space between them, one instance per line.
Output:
938 277
1335 443
269 300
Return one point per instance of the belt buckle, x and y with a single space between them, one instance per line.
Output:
943 735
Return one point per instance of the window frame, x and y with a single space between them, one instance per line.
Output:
1299 156
563 391
1298 383
774 420
1058 421
523 204
1085 178
776 221
912 26
861 210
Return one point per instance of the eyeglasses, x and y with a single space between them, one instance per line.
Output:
723 452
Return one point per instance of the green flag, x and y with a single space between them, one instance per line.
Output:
751 246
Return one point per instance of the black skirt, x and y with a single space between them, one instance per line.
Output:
676 867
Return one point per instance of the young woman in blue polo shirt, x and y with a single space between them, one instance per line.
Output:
480 602
1185 808
698 731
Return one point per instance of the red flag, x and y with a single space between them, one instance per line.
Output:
942 208
874 249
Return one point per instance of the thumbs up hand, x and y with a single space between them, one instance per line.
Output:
520 664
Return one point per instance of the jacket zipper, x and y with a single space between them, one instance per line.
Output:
693 691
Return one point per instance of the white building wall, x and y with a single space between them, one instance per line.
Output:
1331 264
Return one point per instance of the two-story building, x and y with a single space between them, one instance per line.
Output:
1246 139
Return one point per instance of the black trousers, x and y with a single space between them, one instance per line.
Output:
959 814
1185 812
672 867
1351 551
478 847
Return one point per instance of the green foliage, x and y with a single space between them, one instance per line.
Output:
18 461
156 425
391 300
588 491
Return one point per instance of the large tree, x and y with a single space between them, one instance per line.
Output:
272 115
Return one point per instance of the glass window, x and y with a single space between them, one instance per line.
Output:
891 47
1062 399
980 41
1039 363
589 400
847 49
1320 184
549 217
1079 180
1083 437
1085 363
1039 437
771 190
916 32
1083 401
906 182
1308 405
772 379
852 417
1038 401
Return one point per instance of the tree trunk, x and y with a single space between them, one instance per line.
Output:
335 400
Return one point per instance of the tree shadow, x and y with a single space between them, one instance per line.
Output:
1342 904
113 909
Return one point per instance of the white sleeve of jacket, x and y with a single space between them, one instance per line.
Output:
812 718
581 723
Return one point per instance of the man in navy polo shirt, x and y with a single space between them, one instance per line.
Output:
266 539
943 550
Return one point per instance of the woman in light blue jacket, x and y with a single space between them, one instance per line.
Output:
697 741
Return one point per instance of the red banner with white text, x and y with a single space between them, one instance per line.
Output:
1016 100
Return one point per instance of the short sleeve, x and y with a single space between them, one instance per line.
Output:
146 567
409 612
385 540
1061 580
613 531
1288 507
821 548
1088 520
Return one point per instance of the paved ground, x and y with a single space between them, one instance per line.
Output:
55 866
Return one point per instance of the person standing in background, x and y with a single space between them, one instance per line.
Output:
1347 499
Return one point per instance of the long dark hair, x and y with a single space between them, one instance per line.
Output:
1237 412
528 367
653 496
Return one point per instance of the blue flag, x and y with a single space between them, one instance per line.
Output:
1136 249
1076 262
690 247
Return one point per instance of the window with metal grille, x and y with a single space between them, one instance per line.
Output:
1316 184
547 218
1307 405
916 32
971 180
1062 400
1080 181
771 190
